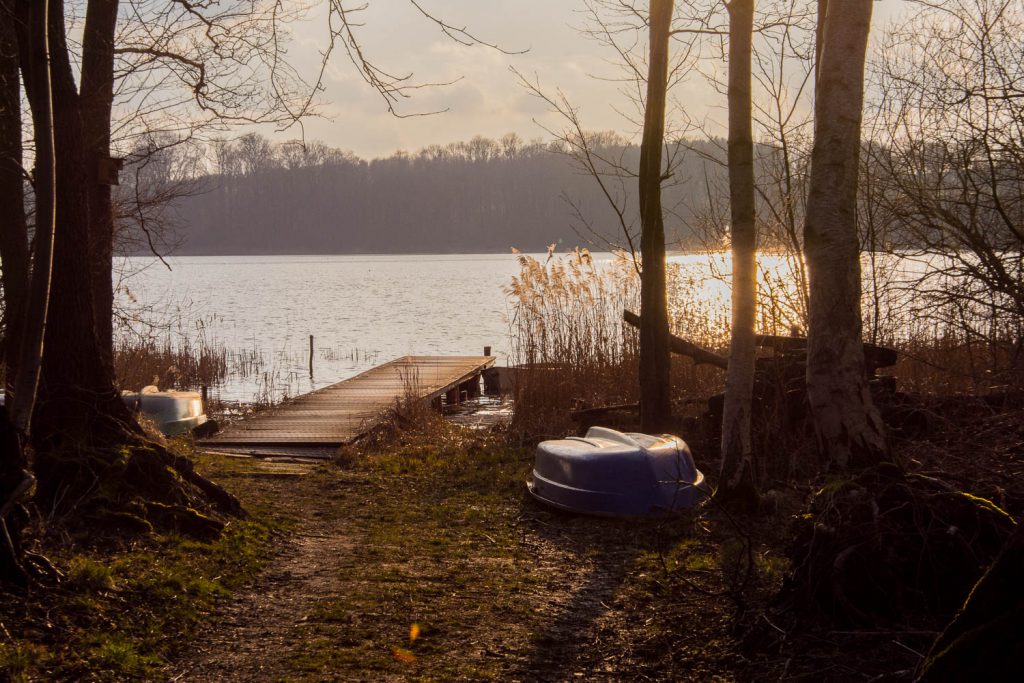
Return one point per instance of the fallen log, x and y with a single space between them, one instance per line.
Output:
684 348
600 411
875 356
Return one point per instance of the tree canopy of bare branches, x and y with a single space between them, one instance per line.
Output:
949 119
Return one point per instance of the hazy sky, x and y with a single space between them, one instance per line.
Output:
487 100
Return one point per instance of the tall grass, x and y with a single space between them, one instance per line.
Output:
187 365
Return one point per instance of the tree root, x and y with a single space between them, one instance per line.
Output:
983 640
134 488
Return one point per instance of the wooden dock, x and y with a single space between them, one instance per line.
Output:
317 423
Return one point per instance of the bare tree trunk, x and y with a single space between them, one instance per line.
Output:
32 20
655 399
90 454
77 400
737 477
13 234
819 36
14 256
97 96
849 429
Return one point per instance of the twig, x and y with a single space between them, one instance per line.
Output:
908 649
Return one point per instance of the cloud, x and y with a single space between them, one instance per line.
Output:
486 98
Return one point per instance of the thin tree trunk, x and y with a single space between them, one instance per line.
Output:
13 233
737 479
14 256
849 429
32 20
97 96
655 398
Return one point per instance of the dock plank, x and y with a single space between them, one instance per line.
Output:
339 413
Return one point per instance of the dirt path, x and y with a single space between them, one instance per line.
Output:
498 588
254 634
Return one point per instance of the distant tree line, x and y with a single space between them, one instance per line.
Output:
252 196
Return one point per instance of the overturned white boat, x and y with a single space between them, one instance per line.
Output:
617 474
174 412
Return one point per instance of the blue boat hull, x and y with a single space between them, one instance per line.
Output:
612 474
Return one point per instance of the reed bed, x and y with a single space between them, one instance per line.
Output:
189 362
941 361
572 349
187 365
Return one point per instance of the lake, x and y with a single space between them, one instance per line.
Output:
361 310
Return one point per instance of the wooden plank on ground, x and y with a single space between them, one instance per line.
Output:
339 413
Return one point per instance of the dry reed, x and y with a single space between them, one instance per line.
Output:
186 365
571 348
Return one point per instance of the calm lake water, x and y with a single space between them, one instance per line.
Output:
361 310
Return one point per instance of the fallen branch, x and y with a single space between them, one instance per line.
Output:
684 348
874 356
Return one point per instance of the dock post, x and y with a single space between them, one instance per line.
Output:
311 356
487 350
452 397
471 387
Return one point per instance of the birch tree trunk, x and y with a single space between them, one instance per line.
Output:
655 399
737 476
848 427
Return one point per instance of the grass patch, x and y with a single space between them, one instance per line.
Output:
122 614
498 587
437 519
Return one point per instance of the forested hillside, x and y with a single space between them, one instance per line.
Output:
476 196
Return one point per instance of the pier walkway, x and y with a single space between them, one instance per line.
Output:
317 423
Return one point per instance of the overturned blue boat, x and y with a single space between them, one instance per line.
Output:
616 474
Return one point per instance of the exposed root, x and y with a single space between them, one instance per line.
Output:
983 641
137 488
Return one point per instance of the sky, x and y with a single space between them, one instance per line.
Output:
486 98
